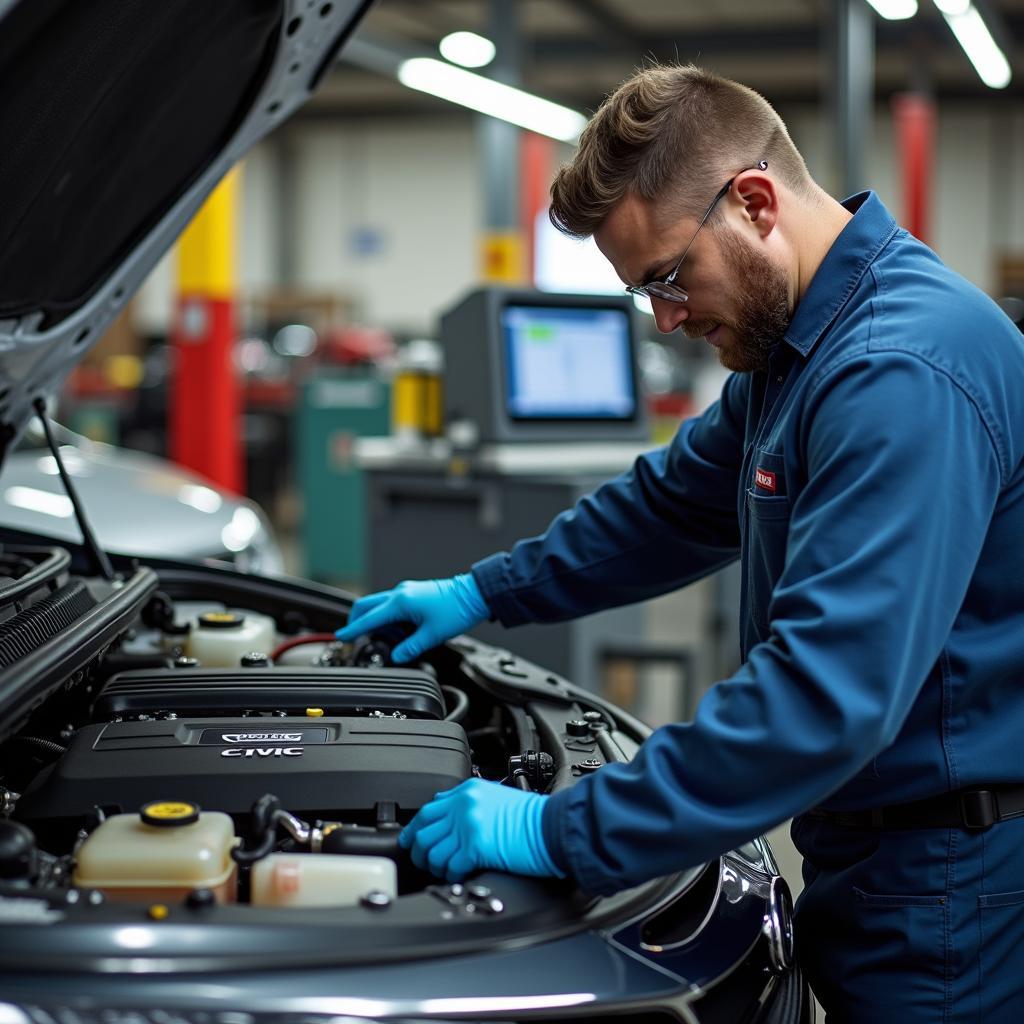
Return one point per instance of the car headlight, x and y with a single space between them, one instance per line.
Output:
252 542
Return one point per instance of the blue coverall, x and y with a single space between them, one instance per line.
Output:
872 483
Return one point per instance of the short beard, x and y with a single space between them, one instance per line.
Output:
764 312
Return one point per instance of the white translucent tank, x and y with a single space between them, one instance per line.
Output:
161 854
219 639
320 879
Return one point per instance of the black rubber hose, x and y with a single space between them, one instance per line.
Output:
460 704
263 830
48 746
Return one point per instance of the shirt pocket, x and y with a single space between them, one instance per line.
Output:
768 514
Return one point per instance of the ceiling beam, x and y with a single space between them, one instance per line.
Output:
608 22
760 40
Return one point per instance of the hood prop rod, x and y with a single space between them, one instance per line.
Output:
98 556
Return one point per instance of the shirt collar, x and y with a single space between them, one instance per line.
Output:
857 246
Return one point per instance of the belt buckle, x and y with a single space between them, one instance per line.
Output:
978 809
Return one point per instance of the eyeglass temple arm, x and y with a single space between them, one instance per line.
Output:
761 165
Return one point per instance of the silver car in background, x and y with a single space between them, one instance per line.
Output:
139 504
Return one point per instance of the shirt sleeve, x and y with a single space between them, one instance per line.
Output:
669 520
902 480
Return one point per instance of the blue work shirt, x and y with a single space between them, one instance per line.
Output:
871 482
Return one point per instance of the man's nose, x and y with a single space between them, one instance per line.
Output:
669 315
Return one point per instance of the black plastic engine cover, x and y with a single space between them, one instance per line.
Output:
207 691
316 766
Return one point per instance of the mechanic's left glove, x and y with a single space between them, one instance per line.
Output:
480 825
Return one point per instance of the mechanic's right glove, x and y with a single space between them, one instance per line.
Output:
440 609
480 824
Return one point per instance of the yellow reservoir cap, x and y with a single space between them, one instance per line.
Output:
221 620
169 813
314 712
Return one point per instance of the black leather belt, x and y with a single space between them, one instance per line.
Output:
975 809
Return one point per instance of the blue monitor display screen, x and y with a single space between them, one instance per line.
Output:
568 363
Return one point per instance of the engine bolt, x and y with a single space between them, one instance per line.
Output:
376 899
200 899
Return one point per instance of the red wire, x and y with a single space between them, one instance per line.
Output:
298 641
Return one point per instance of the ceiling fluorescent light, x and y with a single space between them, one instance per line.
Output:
894 10
467 49
492 98
973 35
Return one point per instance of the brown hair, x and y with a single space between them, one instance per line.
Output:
674 133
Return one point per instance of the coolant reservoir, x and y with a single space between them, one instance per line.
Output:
220 639
320 880
161 853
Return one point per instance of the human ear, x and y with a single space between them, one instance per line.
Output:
758 198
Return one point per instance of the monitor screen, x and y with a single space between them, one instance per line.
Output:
563 362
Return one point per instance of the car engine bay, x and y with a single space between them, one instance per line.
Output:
210 740
197 777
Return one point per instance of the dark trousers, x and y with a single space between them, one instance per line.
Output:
907 926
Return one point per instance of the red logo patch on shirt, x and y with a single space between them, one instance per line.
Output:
765 479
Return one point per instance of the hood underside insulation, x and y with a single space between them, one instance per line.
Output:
109 110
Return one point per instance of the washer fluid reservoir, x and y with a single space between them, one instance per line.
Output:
162 853
320 880
220 639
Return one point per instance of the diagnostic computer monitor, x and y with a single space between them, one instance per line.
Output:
538 366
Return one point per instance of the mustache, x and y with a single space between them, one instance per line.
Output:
698 328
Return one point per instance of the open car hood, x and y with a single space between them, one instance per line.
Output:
119 118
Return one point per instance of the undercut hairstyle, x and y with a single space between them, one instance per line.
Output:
672 134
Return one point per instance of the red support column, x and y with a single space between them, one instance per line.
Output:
914 118
535 160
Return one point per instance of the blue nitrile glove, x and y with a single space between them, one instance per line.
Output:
440 608
480 825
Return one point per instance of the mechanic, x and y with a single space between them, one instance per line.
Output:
866 462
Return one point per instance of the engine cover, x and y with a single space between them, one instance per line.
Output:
317 767
213 691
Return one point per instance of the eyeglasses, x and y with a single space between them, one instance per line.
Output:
665 287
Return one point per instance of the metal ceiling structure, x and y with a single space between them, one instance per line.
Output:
576 51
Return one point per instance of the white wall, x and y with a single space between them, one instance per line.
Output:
257 237
410 193
977 207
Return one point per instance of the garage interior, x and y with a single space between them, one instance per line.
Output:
346 268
